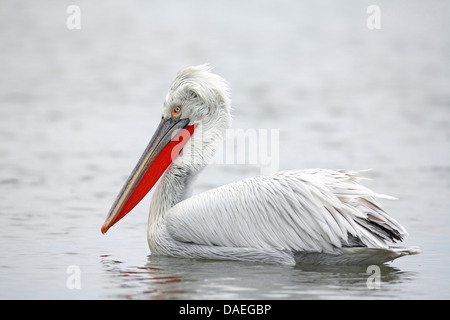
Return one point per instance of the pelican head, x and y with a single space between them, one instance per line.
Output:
196 108
202 96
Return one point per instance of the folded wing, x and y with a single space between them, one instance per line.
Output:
300 211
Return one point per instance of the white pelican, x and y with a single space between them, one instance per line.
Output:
303 216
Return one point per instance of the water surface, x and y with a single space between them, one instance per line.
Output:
77 108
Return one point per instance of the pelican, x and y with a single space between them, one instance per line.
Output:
313 216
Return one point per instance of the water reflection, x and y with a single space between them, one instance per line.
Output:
175 278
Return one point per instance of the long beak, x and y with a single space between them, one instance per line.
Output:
165 145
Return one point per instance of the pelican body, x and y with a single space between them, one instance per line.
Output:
313 216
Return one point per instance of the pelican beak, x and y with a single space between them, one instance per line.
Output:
165 145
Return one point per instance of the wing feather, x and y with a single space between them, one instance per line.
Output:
305 210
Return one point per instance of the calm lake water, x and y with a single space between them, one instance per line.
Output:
78 107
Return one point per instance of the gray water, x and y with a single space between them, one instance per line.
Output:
77 108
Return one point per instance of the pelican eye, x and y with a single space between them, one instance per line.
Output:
176 111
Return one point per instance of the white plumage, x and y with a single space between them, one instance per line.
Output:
302 216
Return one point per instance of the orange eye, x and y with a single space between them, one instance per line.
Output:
176 111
